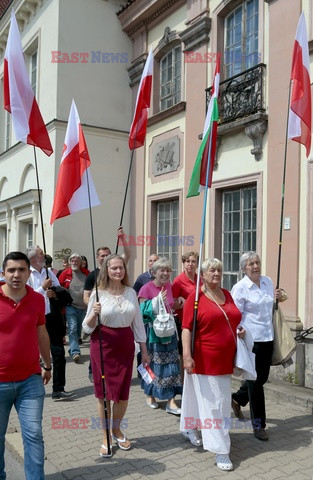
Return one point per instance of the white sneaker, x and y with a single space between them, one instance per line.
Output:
223 462
193 436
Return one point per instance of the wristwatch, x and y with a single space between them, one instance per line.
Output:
47 369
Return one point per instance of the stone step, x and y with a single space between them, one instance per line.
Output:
286 394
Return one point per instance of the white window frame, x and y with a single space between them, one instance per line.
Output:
170 87
241 53
168 240
239 229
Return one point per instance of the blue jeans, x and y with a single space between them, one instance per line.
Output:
27 397
74 318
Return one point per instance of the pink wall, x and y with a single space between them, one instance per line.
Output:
283 18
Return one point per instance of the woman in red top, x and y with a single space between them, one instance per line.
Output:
206 403
182 286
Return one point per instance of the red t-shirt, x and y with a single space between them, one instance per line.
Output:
214 347
182 286
19 351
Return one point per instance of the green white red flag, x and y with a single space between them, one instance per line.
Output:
207 148
300 114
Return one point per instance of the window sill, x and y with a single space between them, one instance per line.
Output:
169 112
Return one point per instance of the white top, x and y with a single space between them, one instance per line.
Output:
118 311
256 306
36 280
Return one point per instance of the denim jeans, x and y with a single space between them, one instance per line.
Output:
27 397
74 318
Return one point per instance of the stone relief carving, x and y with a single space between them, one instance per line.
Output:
165 156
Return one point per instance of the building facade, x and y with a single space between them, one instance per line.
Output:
255 39
73 50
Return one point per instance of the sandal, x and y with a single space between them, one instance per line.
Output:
120 441
106 455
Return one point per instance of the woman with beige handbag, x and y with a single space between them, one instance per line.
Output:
254 296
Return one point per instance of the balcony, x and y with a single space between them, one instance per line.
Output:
241 95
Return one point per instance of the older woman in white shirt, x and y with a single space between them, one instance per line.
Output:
121 324
254 296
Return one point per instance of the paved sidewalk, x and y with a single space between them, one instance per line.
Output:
159 452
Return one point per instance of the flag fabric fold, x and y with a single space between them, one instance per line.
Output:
19 98
207 148
71 193
138 127
300 115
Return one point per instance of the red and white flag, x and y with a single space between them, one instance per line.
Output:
138 127
19 98
300 116
71 194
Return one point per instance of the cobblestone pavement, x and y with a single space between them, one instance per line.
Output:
159 452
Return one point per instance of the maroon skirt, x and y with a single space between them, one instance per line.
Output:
118 350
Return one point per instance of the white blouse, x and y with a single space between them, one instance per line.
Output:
118 311
256 306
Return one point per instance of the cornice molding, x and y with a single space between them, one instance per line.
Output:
135 71
169 112
197 34
24 13
146 14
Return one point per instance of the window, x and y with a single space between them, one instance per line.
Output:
241 38
33 72
170 78
167 232
3 242
29 235
239 230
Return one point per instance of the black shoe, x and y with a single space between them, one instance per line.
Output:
59 396
260 434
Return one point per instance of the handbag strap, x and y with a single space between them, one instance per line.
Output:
161 303
225 314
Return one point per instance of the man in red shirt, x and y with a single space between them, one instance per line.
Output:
23 338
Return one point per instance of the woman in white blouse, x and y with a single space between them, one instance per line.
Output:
254 296
121 324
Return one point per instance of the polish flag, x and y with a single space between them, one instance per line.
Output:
300 120
19 98
75 185
138 128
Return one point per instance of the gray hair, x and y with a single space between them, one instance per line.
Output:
31 251
211 263
75 255
246 257
162 262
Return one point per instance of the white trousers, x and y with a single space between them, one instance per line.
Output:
206 404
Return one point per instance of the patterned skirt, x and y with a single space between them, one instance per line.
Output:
165 365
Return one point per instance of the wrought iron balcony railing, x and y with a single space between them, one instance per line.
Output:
241 95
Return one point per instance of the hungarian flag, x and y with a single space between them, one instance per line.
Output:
138 128
207 148
71 193
300 120
19 98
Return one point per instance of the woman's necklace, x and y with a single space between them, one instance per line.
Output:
217 297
